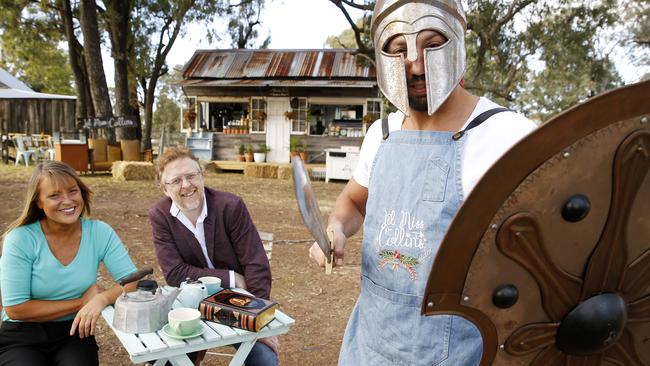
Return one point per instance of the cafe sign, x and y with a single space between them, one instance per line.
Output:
106 122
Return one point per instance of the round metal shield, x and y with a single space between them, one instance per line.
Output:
557 230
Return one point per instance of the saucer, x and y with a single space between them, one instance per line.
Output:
170 333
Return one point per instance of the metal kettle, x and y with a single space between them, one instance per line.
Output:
144 310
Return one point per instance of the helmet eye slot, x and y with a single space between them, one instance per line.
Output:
409 44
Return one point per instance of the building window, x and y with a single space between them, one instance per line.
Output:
299 123
373 111
258 115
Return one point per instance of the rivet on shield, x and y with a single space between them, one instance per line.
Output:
566 154
576 208
430 304
505 296
644 120
494 226
502 346
466 299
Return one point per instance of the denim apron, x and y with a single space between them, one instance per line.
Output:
413 193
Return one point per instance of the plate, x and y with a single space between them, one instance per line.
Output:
170 333
344 132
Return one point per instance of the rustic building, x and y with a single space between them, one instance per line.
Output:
23 110
318 99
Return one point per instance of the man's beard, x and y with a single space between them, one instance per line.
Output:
417 103
186 203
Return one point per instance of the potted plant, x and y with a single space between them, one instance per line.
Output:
260 155
260 116
249 153
294 142
241 150
302 150
369 118
189 118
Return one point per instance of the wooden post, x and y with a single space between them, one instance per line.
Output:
4 140
161 143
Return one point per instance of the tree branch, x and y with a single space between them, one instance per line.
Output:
352 4
357 32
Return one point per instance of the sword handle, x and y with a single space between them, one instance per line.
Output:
329 262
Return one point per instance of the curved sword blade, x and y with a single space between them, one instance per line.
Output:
308 206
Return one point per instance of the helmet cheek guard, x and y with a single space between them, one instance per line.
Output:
445 67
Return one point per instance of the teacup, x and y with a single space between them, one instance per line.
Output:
212 284
184 321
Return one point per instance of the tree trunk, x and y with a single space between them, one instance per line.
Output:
149 98
134 105
84 106
94 64
118 15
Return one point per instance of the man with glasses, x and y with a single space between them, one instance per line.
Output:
199 231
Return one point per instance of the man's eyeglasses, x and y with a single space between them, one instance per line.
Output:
176 182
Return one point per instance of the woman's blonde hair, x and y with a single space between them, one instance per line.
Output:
170 154
57 171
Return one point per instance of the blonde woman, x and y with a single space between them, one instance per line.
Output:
50 258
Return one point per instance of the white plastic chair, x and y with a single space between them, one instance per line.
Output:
22 151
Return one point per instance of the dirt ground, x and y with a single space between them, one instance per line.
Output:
320 304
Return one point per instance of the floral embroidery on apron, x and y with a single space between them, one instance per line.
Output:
395 258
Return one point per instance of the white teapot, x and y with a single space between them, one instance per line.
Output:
192 292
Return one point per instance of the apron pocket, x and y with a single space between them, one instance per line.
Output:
397 332
435 180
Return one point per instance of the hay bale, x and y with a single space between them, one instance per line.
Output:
261 170
286 172
209 166
133 170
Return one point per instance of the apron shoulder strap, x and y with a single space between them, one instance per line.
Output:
478 120
384 127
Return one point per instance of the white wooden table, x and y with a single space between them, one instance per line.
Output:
158 346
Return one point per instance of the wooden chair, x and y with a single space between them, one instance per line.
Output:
104 155
130 150
23 151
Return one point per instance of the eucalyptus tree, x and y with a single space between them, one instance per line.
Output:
94 61
29 50
167 112
243 24
117 21
359 29
65 22
156 26
637 16
31 31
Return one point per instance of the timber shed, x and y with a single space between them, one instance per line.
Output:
23 110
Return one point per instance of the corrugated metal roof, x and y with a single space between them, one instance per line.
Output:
257 83
13 88
24 94
278 64
11 82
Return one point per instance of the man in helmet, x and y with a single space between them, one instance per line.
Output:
416 167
